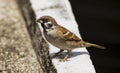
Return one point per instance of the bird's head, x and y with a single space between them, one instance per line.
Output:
47 22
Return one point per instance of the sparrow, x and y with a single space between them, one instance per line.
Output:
61 37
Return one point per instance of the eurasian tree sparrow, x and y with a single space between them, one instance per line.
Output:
61 37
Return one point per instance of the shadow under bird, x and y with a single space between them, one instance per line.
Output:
61 37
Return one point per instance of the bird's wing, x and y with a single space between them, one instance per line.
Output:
66 34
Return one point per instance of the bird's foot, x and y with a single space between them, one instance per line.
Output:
66 57
63 60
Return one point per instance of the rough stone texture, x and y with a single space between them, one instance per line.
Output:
40 46
16 53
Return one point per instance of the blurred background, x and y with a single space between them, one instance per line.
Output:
99 22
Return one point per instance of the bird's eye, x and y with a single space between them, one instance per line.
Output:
50 25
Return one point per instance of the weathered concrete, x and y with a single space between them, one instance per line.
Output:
16 53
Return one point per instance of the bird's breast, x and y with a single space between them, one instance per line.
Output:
55 41
53 38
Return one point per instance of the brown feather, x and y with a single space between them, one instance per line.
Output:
70 36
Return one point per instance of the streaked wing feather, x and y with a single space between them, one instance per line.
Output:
66 34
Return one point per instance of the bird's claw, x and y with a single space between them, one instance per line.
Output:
63 60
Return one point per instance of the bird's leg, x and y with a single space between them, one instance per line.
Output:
67 55
56 54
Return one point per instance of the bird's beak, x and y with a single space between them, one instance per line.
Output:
39 21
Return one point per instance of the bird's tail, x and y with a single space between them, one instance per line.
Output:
87 44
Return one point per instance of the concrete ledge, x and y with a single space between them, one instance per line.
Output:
80 61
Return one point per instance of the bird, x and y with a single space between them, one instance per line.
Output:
61 37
